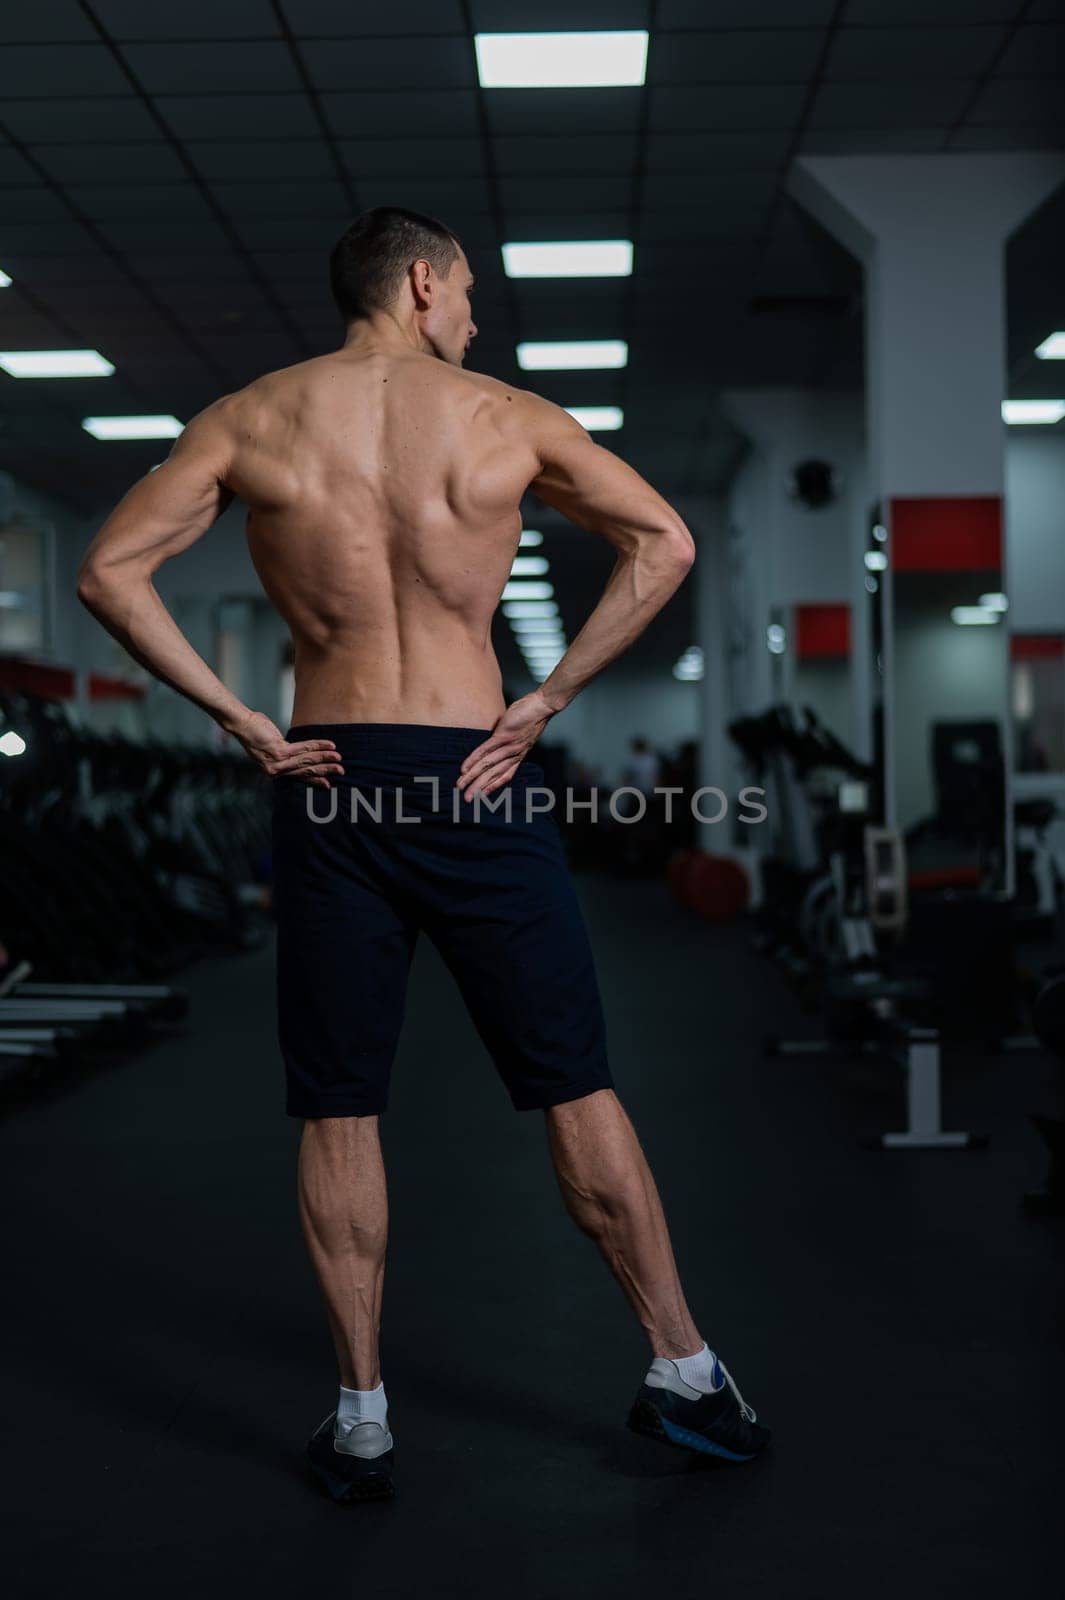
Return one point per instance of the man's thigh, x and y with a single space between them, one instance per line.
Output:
344 949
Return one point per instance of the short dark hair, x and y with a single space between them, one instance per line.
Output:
374 253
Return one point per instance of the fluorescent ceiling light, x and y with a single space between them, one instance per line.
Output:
530 625
530 608
598 419
55 364
994 602
599 60
876 560
159 427
530 536
527 591
12 743
573 355
5 281
776 639
529 566
1052 348
1032 411
580 258
973 616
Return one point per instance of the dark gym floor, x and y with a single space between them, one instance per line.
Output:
891 1316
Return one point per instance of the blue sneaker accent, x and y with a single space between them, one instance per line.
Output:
697 1441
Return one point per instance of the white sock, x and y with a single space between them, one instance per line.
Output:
361 1405
696 1371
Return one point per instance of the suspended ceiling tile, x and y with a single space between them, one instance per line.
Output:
324 196
59 69
340 18
715 152
872 54
557 16
863 141
569 111
1011 101
531 194
422 113
45 20
250 66
147 161
192 19
135 202
609 153
924 103
748 56
901 13
74 119
239 116
1034 52
456 156
744 13
268 160
403 63
724 107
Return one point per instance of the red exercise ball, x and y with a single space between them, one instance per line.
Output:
677 872
715 887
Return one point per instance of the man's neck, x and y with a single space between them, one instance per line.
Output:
385 331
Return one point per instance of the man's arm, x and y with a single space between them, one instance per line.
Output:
163 514
597 491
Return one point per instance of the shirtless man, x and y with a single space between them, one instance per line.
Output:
383 483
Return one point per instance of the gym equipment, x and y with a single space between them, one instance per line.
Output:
119 863
894 966
960 844
1039 852
874 1011
817 799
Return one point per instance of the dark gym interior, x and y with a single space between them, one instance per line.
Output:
832 966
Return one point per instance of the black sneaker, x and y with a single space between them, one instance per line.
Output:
356 1466
718 1424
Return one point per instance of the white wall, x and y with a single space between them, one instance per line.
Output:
942 673
784 554
1035 529
614 708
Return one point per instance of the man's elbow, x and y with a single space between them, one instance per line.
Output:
89 586
97 588
680 547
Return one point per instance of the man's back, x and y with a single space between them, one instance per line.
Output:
383 490
384 484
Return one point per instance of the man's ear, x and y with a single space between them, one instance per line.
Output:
422 284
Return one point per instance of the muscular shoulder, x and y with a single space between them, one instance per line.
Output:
518 410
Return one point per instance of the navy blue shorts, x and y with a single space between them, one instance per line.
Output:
491 890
